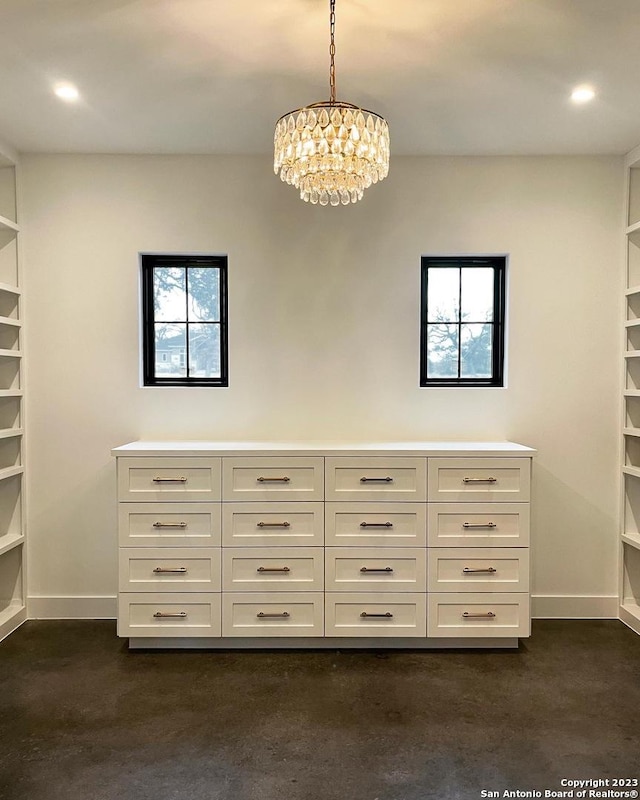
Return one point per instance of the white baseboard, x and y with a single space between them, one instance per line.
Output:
543 607
574 606
72 607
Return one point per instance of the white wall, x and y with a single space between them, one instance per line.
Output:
324 327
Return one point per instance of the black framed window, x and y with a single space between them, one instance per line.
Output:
184 320
462 321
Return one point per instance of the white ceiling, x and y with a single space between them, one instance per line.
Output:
212 76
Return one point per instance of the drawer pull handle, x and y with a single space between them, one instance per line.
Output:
471 570
172 570
170 614
376 524
387 570
273 569
169 524
478 615
273 524
268 615
479 525
283 479
387 479
176 479
490 479
386 615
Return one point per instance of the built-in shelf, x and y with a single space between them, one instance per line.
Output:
10 542
631 431
631 471
12 535
632 393
635 228
628 354
11 433
631 323
632 290
9 225
9 472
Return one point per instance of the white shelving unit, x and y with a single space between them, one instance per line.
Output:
12 531
630 534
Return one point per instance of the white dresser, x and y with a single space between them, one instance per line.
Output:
226 544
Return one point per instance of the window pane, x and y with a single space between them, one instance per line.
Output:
204 351
171 351
475 351
169 298
443 290
204 294
477 294
442 351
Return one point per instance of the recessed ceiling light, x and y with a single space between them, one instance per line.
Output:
67 92
582 94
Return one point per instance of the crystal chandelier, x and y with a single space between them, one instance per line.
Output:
331 151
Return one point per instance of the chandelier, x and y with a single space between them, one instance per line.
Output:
331 151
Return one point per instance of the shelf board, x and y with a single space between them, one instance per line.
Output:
10 542
632 393
631 471
630 614
20 393
628 353
632 290
633 228
631 431
4 353
15 323
11 289
10 433
630 323
12 617
8 225
632 539
9 472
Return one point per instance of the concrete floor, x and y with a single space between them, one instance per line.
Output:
81 718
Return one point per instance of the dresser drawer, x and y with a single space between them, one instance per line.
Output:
478 615
273 524
376 524
478 525
374 615
369 478
175 480
167 569
257 569
283 614
369 569
163 525
491 480
171 615
478 570
255 478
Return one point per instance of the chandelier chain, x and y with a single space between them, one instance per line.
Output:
332 50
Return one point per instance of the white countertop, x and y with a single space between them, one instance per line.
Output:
315 448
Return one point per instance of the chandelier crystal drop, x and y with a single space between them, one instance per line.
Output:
331 151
